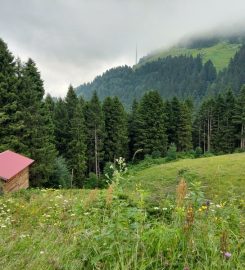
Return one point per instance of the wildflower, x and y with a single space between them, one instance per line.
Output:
156 208
181 191
186 268
165 209
227 255
41 252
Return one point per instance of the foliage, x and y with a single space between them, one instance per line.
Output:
92 229
61 177
172 152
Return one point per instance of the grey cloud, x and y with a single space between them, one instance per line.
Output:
73 41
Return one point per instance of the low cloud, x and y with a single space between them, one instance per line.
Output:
73 41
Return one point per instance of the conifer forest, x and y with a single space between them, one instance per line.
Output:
78 139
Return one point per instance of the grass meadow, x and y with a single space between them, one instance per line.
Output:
187 214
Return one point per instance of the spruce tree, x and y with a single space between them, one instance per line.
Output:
239 118
116 133
151 130
38 132
229 138
76 154
61 126
132 121
173 121
71 102
184 128
94 120
10 115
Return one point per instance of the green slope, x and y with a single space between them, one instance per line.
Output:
221 175
220 54
106 230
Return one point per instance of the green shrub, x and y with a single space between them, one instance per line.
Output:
172 152
61 176
156 154
91 182
198 152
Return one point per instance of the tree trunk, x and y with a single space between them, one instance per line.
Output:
242 137
96 152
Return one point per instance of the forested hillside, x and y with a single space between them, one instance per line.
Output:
218 51
182 76
75 139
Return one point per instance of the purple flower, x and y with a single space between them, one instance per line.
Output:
227 255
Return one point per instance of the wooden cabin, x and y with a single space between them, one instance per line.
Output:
14 171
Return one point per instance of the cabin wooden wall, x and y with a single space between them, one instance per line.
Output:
20 181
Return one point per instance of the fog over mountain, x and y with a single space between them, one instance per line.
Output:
73 41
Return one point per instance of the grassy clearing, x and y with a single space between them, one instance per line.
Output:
221 175
220 54
110 229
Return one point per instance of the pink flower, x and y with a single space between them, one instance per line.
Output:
227 255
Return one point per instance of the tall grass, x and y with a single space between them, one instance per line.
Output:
92 229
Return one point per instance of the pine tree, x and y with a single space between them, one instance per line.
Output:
71 102
10 116
132 119
229 138
61 127
77 149
206 125
151 129
173 121
219 129
184 128
116 133
50 105
94 120
239 117
38 132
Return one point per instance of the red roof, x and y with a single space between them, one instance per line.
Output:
12 163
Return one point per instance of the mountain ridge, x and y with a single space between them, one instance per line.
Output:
190 70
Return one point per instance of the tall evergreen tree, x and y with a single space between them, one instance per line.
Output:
61 127
116 133
77 148
10 115
174 114
229 138
151 129
239 117
95 134
132 120
184 128
38 133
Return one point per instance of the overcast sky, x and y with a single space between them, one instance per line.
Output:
72 41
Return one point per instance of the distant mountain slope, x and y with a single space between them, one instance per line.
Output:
220 54
187 72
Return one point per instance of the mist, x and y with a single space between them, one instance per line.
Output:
73 41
